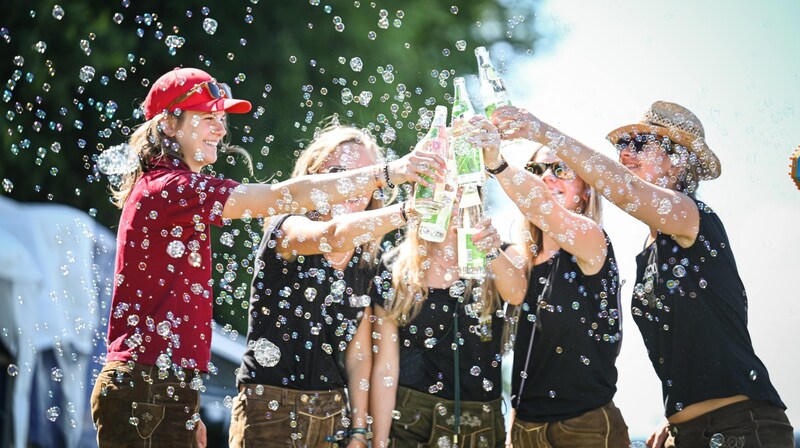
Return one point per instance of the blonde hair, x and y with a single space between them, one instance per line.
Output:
409 294
531 236
326 141
150 144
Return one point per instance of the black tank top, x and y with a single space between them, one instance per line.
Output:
302 314
691 308
575 346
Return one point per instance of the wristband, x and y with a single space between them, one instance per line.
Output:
495 171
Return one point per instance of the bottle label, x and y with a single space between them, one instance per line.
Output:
469 256
469 159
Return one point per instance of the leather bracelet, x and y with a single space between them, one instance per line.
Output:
495 171
386 175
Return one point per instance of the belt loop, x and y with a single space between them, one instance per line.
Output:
284 396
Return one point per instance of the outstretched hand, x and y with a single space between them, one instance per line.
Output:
515 122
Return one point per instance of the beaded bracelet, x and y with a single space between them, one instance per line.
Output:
386 175
363 431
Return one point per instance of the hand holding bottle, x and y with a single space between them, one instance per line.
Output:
515 122
485 135
487 239
419 166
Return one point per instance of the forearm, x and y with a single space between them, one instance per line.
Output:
354 229
385 375
577 234
319 190
303 236
358 362
658 206
508 270
607 175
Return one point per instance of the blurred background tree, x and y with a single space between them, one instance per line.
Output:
75 73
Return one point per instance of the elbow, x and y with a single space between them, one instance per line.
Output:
514 297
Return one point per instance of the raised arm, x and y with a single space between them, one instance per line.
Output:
666 210
385 375
576 234
358 363
305 193
508 266
303 236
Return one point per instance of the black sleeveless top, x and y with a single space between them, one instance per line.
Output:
302 315
427 351
691 308
576 342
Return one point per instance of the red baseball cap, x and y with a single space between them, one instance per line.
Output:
172 91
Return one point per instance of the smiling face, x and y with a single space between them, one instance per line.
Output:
649 161
567 188
199 134
349 156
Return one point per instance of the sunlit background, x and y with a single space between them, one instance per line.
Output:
736 65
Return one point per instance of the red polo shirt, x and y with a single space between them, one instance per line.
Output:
162 302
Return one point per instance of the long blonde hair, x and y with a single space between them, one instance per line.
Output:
150 144
408 296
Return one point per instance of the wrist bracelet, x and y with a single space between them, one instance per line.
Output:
363 431
386 175
495 171
492 254
405 218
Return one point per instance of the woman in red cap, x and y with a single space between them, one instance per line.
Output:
689 301
159 335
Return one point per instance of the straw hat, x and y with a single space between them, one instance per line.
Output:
682 127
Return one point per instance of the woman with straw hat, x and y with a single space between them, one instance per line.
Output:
689 301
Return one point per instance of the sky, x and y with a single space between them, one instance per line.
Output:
736 65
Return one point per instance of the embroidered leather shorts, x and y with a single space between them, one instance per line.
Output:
425 420
132 407
603 427
276 416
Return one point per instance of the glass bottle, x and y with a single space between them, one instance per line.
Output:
428 201
471 260
468 157
493 90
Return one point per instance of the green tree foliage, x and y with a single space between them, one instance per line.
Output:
294 60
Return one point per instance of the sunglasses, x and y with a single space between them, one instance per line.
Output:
560 170
216 89
639 142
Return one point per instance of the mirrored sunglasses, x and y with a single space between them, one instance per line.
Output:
559 169
215 89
